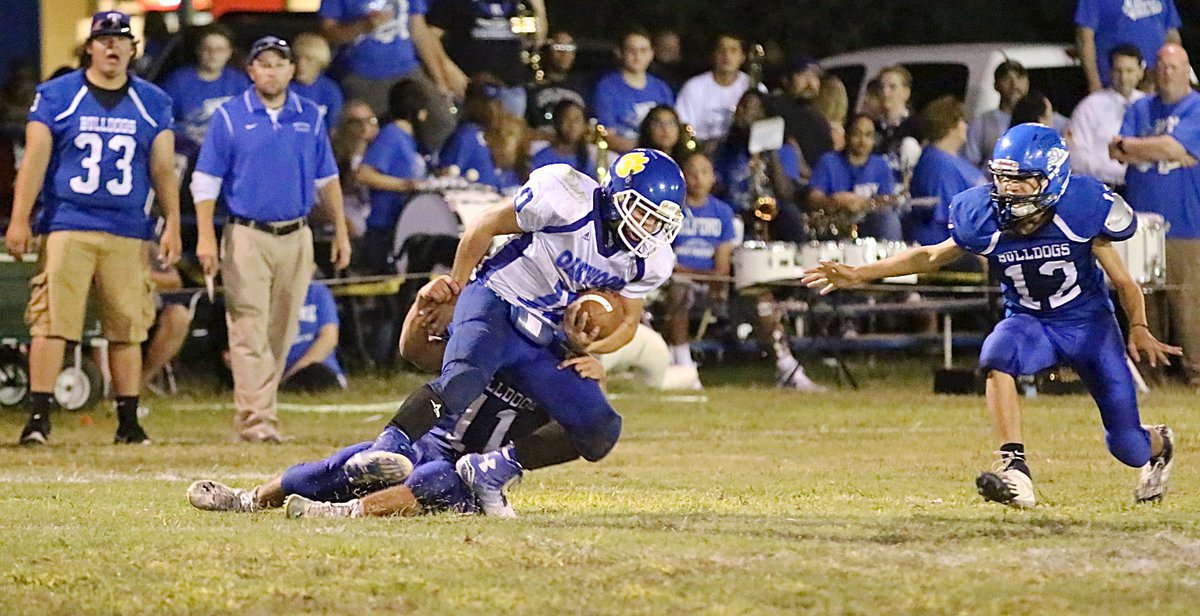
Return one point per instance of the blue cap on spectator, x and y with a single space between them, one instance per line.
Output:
803 62
268 43
110 23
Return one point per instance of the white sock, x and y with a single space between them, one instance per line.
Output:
681 355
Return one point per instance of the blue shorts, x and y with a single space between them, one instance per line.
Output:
483 341
1023 344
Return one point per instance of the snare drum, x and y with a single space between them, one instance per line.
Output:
1145 254
761 262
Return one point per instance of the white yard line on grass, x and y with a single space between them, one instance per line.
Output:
375 407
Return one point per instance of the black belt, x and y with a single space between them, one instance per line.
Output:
274 228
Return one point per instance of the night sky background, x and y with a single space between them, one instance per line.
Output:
825 27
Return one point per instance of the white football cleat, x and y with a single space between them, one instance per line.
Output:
795 378
1154 474
1006 485
215 496
297 506
375 466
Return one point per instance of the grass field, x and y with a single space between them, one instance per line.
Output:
754 501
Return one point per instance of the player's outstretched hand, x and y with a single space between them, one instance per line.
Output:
16 239
830 275
585 366
1142 341
578 327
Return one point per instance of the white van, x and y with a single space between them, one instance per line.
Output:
965 71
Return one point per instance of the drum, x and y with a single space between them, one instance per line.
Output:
762 262
443 212
853 252
1145 254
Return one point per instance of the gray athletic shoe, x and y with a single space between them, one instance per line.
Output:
376 466
215 496
297 506
1154 474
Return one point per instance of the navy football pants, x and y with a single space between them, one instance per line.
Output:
483 341
1094 349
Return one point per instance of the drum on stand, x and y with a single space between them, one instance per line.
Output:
1145 254
762 262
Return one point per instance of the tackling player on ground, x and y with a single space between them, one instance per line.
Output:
570 235
1043 230
323 489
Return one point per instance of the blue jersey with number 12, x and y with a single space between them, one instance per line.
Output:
1051 273
98 177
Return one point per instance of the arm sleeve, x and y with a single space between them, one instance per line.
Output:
381 153
541 203
685 106
417 7
789 159
887 181
1086 14
165 116
973 149
726 214
1187 132
606 112
822 177
1120 223
218 145
44 106
1172 16
332 9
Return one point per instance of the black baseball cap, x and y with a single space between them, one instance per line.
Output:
268 43
110 23
803 62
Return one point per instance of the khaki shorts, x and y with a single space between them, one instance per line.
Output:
68 263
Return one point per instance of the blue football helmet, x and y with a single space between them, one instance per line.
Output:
1029 151
643 193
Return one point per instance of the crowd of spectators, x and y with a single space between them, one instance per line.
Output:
445 88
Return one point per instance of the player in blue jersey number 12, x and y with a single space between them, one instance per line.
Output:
1043 230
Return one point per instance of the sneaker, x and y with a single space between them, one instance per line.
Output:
376 466
131 435
487 474
297 506
793 377
1006 485
214 496
37 430
1155 472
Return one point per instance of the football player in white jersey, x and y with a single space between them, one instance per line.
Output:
570 234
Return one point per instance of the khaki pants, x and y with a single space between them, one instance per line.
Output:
1179 323
265 277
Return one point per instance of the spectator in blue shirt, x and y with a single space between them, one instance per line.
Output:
471 151
704 247
391 168
312 363
624 96
940 172
1160 141
312 58
1101 25
382 42
198 90
268 155
857 183
569 145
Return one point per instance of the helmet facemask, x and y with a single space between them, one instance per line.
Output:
644 226
1011 210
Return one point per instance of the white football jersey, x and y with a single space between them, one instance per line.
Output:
561 252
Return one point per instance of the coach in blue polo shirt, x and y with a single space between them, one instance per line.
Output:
267 153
